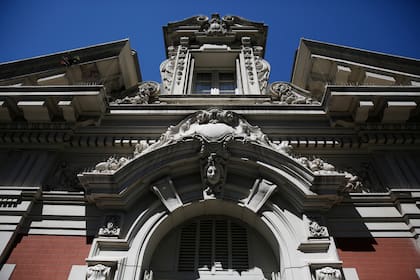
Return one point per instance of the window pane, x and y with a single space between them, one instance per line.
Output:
227 86
226 77
203 83
202 87
204 77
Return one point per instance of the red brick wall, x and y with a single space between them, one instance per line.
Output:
380 258
47 256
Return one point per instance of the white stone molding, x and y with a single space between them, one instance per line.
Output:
263 69
287 94
259 194
147 92
218 132
167 70
6 271
98 272
167 193
110 165
111 227
328 273
36 103
148 275
317 231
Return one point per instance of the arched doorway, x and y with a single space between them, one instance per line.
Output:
213 247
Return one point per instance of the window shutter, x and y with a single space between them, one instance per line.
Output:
187 250
207 241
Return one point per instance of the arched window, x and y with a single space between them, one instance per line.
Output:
213 247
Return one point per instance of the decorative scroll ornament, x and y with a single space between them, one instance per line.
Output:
286 94
354 184
220 126
147 92
317 231
140 147
328 273
263 73
317 165
98 272
167 70
148 275
249 59
111 227
214 26
110 165
182 59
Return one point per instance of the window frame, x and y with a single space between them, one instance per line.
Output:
216 81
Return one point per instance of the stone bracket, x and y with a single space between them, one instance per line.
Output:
259 194
167 193
314 246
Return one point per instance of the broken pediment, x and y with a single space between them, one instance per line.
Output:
215 30
215 143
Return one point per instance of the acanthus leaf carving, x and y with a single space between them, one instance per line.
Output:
98 272
221 126
111 227
317 165
288 94
328 273
110 165
316 230
147 93
167 70
148 275
263 69
214 26
354 183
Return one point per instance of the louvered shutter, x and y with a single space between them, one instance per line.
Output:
208 241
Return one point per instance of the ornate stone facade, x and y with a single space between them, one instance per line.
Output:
214 172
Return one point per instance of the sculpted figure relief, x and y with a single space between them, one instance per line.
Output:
112 164
221 126
316 165
167 70
147 91
285 94
213 175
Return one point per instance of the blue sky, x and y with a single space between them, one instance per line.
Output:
33 28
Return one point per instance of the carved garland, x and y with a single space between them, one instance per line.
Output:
147 93
286 94
216 125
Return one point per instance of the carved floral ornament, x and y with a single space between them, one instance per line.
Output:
98 272
328 273
317 231
146 93
111 227
221 126
288 94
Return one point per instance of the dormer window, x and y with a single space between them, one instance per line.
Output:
214 82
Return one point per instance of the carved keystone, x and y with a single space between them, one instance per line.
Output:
167 193
259 194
